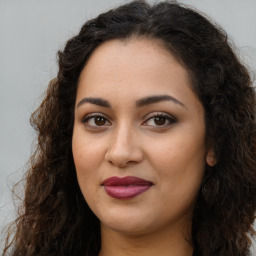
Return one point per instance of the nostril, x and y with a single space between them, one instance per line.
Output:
122 158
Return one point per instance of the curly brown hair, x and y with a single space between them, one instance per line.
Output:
55 219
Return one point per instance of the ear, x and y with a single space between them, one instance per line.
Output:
211 158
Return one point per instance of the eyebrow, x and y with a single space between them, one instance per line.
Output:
139 103
97 101
157 98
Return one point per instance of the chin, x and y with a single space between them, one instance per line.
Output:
134 224
134 228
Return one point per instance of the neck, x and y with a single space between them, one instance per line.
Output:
164 243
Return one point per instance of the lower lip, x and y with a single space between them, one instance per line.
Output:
126 192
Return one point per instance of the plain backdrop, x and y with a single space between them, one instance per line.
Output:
31 32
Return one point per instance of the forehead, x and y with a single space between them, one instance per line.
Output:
131 61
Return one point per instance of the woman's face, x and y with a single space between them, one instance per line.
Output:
139 138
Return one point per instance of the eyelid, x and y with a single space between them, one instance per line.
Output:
87 117
94 114
159 113
168 116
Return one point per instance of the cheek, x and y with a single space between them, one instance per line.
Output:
180 168
178 153
87 156
180 163
86 159
87 151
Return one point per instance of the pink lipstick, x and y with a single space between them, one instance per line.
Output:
126 187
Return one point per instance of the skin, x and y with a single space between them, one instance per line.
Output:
129 140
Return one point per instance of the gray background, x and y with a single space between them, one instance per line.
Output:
31 32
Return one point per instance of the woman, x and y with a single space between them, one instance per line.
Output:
146 142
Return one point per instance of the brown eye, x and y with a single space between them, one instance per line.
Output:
96 121
160 120
99 121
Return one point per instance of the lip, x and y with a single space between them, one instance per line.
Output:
125 187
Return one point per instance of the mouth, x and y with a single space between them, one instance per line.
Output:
126 187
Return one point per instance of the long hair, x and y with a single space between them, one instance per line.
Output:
55 219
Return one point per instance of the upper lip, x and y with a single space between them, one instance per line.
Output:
125 181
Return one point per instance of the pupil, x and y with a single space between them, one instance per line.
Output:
100 121
159 120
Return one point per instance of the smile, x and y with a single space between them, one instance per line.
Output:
126 187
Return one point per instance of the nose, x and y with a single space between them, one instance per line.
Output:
124 147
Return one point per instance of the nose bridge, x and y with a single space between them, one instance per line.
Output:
122 140
123 147
122 136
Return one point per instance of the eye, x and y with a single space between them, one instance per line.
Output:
95 121
159 120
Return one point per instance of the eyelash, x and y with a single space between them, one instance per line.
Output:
89 117
153 116
170 119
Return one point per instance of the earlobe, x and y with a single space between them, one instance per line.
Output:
211 158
